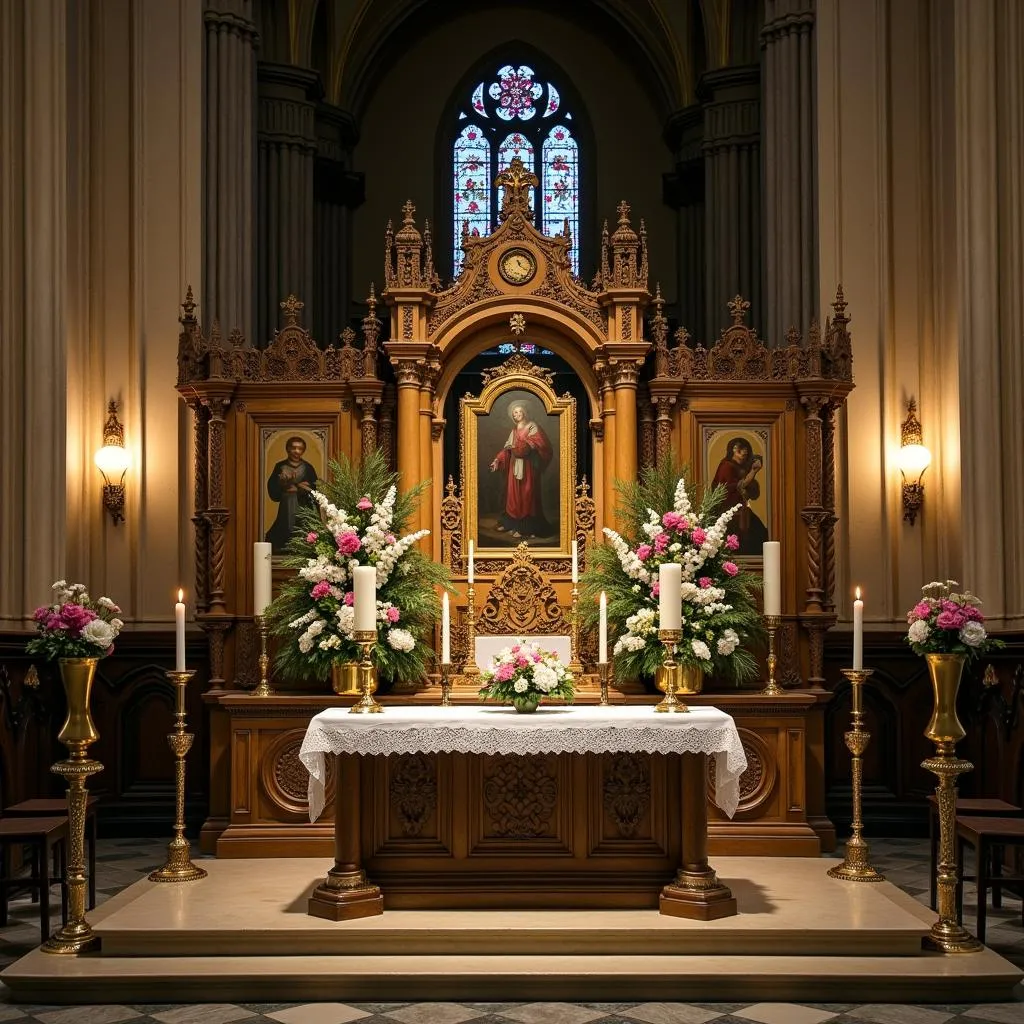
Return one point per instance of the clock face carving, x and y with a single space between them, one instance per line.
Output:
517 266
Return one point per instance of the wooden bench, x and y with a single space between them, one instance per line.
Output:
983 834
48 839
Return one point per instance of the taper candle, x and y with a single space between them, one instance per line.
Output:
858 632
470 574
575 564
364 587
670 596
179 633
772 571
602 632
262 580
446 625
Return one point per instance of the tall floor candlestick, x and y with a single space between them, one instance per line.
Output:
179 866
574 635
856 866
470 668
366 638
772 689
604 669
263 688
669 703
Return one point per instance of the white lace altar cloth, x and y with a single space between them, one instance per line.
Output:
549 730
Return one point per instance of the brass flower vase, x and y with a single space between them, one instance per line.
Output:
77 733
689 678
345 679
945 731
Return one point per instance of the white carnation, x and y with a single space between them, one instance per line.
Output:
728 642
972 633
99 633
919 631
544 678
701 650
105 602
401 639
520 686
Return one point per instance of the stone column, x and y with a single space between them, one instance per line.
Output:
788 125
229 150
287 146
732 180
409 374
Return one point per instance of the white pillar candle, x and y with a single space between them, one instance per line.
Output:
575 564
602 633
858 632
364 586
471 563
179 633
772 571
262 580
670 596
446 625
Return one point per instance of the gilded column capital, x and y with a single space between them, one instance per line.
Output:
409 372
627 374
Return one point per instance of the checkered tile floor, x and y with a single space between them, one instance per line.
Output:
904 862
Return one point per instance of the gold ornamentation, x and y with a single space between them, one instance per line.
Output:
517 324
366 638
522 601
345 680
263 686
604 671
627 791
669 703
413 787
179 867
518 365
772 688
689 679
520 795
856 865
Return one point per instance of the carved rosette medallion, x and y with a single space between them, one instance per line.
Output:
413 788
627 791
284 777
520 795
758 778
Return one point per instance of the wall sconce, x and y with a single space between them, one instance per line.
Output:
913 460
111 459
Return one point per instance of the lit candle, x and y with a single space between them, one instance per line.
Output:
262 582
575 564
772 572
858 632
471 563
670 596
364 586
446 625
179 633
602 633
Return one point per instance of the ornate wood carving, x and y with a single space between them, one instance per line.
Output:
758 779
246 656
522 601
284 778
520 794
519 366
413 791
627 791
451 528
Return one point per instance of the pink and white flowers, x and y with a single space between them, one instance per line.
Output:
525 673
948 621
75 626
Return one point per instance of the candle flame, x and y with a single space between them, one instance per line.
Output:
858 593
181 594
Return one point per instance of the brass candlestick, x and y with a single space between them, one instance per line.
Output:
604 669
856 866
670 637
77 734
574 632
366 638
446 684
772 622
944 730
263 686
470 668
179 866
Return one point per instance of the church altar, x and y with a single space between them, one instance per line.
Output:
498 809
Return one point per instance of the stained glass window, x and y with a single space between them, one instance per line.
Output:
500 122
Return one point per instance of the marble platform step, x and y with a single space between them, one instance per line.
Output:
258 908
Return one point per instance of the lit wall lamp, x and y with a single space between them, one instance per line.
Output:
113 458
914 459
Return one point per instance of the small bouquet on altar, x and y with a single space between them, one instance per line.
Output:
74 625
357 519
665 523
948 621
525 674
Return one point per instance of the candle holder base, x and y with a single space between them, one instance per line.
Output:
772 688
669 703
366 705
446 684
604 670
263 687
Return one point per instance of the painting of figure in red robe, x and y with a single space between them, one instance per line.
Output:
519 478
736 459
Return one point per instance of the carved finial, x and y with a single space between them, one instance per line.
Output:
839 304
371 300
449 488
517 324
623 211
682 337
292 309
515 182
659 302
738 307
793 337
910 428
408 209
583 490
347 337
113 429
643 254
189 305
215 335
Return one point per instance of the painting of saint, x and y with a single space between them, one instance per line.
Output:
739 466
289 483
525 456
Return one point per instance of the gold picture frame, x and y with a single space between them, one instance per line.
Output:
492 506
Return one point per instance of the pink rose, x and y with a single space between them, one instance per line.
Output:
950 620
393 614
321 589
503 673
661 542
515 648
732 542
705 582
350 598
670 520
522 662
644 552
921 610
364 503
536 659
731 568
656 590
41 614
390 538
973 614
75 617
312 538
698 536
349 542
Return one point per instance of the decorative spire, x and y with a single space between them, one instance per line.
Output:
371 334
738 307
605 268
642 276
428 264
389 264
292 311
626 252
189 306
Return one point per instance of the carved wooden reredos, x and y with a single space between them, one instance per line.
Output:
647 398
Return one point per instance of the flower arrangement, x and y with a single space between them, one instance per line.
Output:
74 625
358 519
525 674
666 524
948 621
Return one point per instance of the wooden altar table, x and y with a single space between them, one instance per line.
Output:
586 807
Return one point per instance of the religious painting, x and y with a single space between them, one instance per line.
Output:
736 457
292 460
518 463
